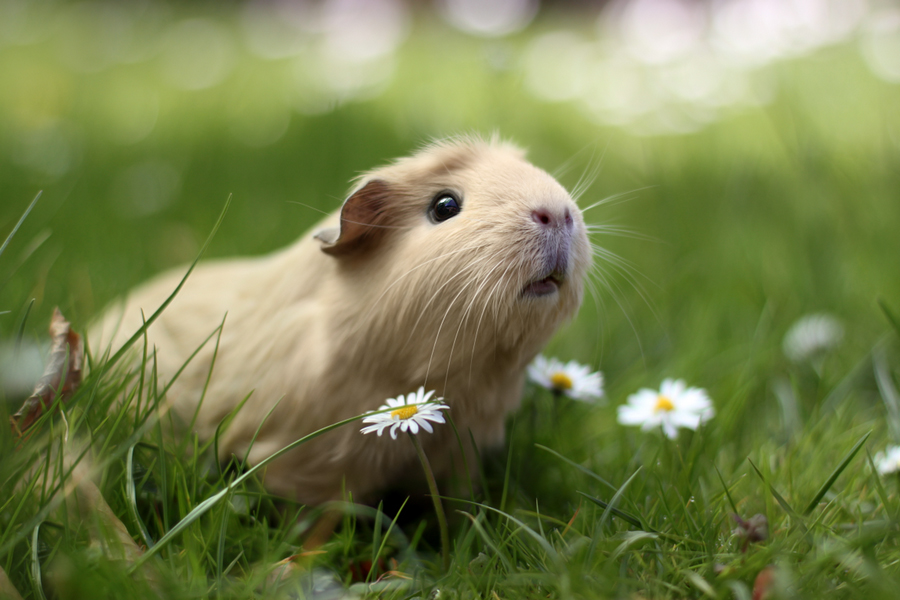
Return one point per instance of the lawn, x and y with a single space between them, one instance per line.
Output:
720 235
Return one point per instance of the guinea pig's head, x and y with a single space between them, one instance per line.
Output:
464 246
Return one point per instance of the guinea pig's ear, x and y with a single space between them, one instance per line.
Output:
364 219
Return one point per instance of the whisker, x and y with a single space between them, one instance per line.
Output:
424 310
615 230
309 206
437 335
465 318
567 165
616 198
584 172
622 265
589 175
609 284
492 299
410 271
598 303
638 288
587 179
629 273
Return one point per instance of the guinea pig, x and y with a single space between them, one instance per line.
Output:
449 269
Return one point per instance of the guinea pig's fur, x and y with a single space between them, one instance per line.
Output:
378 300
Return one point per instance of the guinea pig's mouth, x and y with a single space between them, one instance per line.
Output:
544 286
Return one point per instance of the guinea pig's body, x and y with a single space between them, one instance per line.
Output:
449 269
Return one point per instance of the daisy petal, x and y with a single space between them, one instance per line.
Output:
675 406
571 379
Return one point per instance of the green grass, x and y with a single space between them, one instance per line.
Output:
767 215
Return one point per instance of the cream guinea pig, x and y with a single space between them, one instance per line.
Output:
449 269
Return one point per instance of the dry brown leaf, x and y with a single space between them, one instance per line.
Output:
66 359
7 589
84 503
106 530
762 586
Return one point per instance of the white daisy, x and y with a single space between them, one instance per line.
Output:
674 405
811 336
572 379
888 462
408 414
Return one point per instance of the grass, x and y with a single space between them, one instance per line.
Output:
767 215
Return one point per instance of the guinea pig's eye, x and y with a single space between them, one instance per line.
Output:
444 206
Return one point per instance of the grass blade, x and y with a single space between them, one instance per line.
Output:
835 474
220 546
486 490
36 577
879 486
210 502
890 315
19 224
778 497
630 519
212 366
462 452
131 497
887 390
574 464
488 539
140 332
222 426
618 495
727 493
385 537
258 429
506 476
542 542
20 330
376 539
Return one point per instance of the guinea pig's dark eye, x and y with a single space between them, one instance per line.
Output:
444 206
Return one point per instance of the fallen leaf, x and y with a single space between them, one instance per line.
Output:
7 589
62 375
762 586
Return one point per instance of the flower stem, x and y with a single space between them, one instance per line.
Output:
436 499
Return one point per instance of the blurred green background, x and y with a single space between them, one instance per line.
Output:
753 149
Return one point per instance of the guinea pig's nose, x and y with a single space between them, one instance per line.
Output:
548 218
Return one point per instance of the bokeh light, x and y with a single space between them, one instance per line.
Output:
651 66
489 19
880 44
197 54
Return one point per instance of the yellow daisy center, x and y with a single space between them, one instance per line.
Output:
561 381
663 403
404 412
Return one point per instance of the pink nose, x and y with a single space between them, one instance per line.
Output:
550 219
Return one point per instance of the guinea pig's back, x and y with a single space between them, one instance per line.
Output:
231 308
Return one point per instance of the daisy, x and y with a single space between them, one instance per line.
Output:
888 462
811 336
408 414
674 405
572 379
